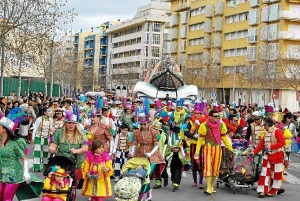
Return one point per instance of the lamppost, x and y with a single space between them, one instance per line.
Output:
234 5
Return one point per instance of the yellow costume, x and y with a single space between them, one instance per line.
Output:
212 152
52 185
98 183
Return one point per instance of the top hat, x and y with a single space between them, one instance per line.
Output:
8 124
142 118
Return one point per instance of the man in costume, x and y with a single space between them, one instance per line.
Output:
177 118
271 175
191 137
211 134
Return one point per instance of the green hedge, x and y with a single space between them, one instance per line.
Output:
11 84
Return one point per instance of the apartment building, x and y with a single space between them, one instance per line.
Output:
228 43
135 46
90 53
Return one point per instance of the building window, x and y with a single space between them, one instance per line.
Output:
273 32
197 11
155 52
156 26
146 51
236 18
195 57
156 39
146 38
237 52
196 41
253 17
274 12
252 35
251 53
236 35
196 27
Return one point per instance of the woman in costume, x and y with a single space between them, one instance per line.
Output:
146 144
13 162
69 141
127 116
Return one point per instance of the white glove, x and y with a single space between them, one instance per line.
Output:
131 151
196 136
148 155
197 122
182 151
164 150
111 147
26 174
169 157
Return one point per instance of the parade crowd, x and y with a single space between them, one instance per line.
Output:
135 140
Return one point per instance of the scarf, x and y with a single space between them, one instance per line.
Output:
215 129
177 115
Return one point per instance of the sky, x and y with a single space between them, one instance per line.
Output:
91 13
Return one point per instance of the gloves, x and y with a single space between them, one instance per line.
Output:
164 150
111 147
169 157
196 136
197 122
26 174
182 151
131 151
148 155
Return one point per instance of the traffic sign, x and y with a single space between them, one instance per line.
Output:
213 95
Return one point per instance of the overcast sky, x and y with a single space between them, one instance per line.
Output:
91 13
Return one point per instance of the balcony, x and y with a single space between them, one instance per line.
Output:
103 43
209 10
219 10
183 7
218 24
102 63
207 42
217 40
286 35
206 58
174 20
102 53
290 15
207 26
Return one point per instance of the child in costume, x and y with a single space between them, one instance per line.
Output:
56 180
96 172
123 141
131 188
177 161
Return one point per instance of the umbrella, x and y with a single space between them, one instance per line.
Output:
29 191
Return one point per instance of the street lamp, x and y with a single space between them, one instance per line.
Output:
234 5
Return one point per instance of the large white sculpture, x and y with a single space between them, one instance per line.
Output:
165 80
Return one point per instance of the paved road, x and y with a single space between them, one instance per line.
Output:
188 193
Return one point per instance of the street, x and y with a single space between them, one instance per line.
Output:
188 193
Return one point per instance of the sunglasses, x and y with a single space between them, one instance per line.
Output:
143 124
94 116
197 113
217 116
236 120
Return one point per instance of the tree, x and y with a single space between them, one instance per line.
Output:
26 16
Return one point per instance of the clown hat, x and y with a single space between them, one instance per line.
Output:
96 112
8 124
217 108
159 104
170 103
57 170
278 117
157 125
70 117
177 143
142 118
269 109
179 103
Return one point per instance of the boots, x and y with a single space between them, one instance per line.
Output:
157 184
175 187
208 186
213 181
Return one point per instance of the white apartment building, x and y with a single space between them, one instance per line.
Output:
136 45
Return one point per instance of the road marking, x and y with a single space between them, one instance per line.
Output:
292 179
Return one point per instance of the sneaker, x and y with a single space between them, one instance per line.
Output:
200 186
261 195
117 179
194 185
280 191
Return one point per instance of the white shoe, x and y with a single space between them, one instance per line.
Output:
117 179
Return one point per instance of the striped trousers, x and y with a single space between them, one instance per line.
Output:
40 153
270 177
121 160
212 155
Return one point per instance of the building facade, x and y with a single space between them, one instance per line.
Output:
242 50
90 56
136 45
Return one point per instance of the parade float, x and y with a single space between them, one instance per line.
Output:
165 81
